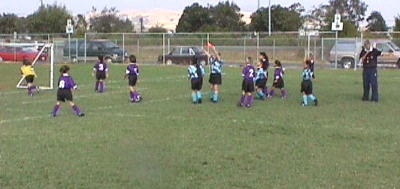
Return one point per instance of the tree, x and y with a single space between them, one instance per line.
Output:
80 25
397 23
225 16
11 23
108 21
349 29
157 29
350 10
284 18
193 18
376 22
48 19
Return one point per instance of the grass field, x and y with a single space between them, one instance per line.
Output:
166 142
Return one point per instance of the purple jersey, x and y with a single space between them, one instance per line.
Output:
132 69
278 73
100 67
66 82
248 73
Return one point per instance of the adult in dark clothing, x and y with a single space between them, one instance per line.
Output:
369 57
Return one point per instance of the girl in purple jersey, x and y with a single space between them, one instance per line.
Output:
278 80
132 73
248 74
100 71
66 85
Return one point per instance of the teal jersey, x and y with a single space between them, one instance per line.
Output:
261 74
194 73
216 66
307 75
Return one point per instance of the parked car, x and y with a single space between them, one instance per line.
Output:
348 52
18 54
183 55
108 49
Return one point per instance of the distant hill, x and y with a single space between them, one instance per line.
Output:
165 18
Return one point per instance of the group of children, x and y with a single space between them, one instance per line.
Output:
254 80
66 84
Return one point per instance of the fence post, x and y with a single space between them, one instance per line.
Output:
208 42
85 46
322 49
76 49
244 48
163 41
138 46
123 47
336 55
169 45
258 43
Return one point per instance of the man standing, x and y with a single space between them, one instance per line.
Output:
369 57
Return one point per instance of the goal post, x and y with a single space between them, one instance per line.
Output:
43 63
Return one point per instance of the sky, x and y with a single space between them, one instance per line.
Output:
388 8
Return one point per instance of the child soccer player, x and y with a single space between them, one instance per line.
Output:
132 73
66 85
278 80
196 74
100 70
246 100
306 85
29 74
215 76
261 81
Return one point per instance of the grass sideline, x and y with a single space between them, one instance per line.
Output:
166 142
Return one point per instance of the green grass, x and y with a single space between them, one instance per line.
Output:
166 142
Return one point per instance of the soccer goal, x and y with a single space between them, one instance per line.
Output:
41 56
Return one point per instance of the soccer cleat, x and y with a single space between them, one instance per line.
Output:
315 102
200 101
81 115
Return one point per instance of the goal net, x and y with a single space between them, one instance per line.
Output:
41 56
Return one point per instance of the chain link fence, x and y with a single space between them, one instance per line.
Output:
289 47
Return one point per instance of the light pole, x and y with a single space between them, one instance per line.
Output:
269 17
258 5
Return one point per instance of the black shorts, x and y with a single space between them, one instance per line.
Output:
64 94
197 84
261 83
101 75
215 79
247 86
29 78
306 87
279 84
132 80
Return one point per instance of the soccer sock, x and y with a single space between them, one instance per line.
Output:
283 93
272 93
212 94
76 109
194 97
96 86
242 100
101 83
305 101
251 99
199 96
136 96
312 97
215 97
132 96
265 91
56 110
260 94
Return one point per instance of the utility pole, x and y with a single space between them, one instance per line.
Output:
258 5
269 18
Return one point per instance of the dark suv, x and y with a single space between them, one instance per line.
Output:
183 55
108 49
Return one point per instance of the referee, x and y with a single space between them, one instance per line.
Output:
369 57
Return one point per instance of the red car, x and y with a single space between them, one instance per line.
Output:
18 54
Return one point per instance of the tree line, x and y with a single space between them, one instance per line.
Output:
223 17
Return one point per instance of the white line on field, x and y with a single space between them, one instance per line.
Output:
29 118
